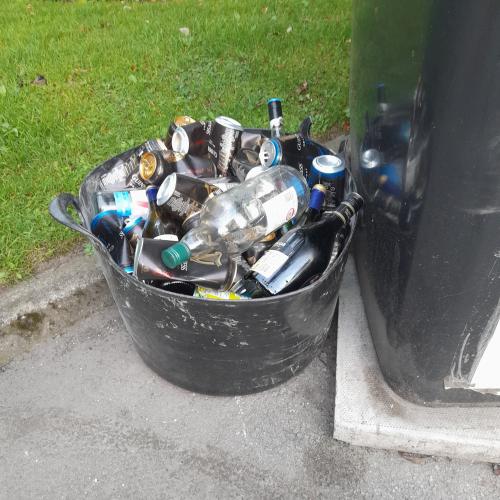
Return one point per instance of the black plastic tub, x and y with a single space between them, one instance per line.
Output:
209 346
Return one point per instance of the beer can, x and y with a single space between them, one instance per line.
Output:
245 160
181 197
148 265
293 150
207 293
133 230
133 167
154 166
252 138
179 121
224 142
195 166
192 138
123 172
329 170
107 226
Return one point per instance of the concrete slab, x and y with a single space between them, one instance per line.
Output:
369 413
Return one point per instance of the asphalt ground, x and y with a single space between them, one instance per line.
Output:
81 415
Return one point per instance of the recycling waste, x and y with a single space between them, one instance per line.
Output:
222 212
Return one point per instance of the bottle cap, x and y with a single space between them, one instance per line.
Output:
317 197
274 108
175 255
151 193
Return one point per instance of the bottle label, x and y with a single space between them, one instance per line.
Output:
280 209
270 263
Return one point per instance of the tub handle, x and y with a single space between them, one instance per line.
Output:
58 208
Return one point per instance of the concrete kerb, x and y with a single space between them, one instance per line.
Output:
57 281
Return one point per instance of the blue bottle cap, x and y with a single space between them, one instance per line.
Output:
317 197
151 193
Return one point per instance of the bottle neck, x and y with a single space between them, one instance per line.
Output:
343 214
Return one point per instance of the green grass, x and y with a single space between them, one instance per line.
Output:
118 72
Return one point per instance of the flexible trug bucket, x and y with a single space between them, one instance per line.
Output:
211 346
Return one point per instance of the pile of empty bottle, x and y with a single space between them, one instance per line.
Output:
219 211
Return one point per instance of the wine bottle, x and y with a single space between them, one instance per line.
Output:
233 221
300 255
155 227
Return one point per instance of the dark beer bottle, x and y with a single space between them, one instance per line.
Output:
300 255
275 116
154 226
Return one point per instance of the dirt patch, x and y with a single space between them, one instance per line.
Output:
28 330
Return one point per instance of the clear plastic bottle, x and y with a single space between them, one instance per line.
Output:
233 221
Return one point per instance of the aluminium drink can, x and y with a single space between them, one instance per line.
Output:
107 226
148 265
245 160
294 150
179 121
192 138
126 203
181 197
224 141
329 170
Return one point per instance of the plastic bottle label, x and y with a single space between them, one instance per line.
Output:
270 263
280 209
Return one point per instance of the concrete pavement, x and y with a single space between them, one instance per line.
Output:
81 415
